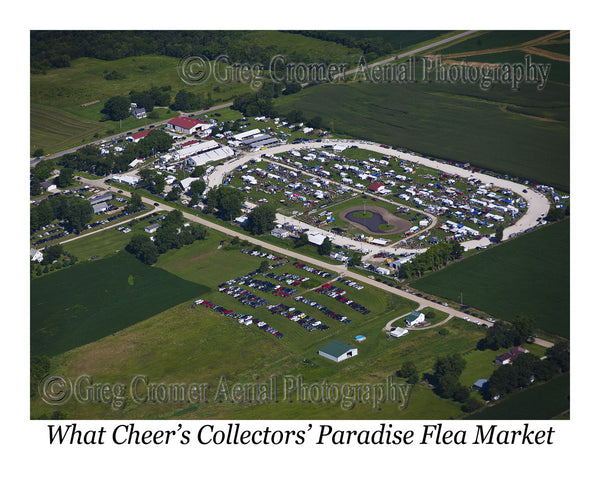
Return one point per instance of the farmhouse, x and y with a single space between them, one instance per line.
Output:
187 125
138 113
338 351
414 318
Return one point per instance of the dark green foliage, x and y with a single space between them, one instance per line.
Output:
173 194
261 219
42 170
51 253
559 355
409 371
325 248
301 240
226 200
143 249
503 335
555 214
77 211
65 178
471 405
117 108
134 204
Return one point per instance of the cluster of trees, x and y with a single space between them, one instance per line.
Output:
172 234
505 335
151 180
135 203
447 370
261 219
189 101
42 170
525 367
89 159
224 202
435 258
77 212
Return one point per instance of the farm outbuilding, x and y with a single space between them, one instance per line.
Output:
338 351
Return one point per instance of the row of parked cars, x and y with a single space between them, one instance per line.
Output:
245 297
241 318
297 316
322 308
313 270
338 294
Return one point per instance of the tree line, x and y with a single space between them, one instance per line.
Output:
57 48
434 258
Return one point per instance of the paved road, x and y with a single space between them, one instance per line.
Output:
338 269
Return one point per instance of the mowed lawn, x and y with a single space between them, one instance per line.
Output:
89 301
528 275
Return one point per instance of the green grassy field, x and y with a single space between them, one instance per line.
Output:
152 330
119 291
538 402
456 122
528 275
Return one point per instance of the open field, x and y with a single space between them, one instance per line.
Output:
455 122
181 344
538 402
528 275
89 301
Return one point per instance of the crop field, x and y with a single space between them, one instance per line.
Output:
528 275
455 122
119 291
538 402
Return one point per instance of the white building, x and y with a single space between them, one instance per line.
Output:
338 351
398 332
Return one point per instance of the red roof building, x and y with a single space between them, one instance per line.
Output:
375 187
187 125
136 137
